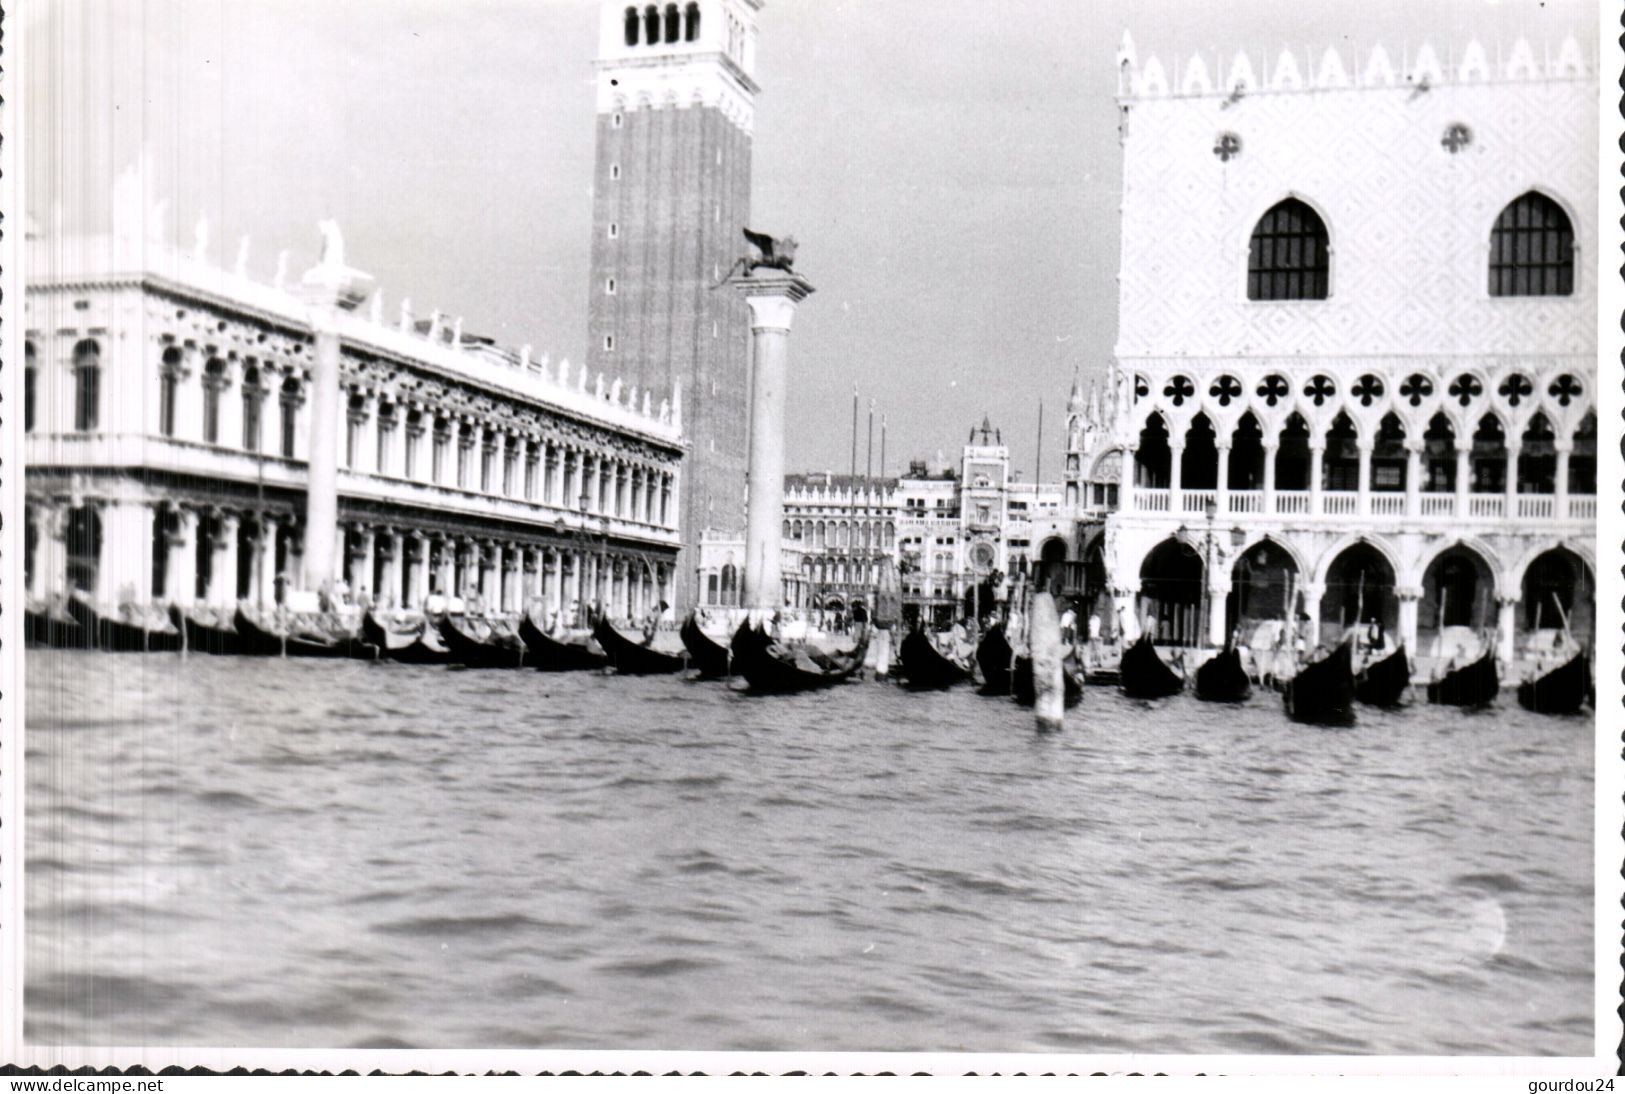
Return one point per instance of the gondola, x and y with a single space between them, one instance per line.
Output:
996 660
1473 685
925 667
1383 683
774 670
1562 690
1024 692
551 654
117 636
52 628
260 640
417 645
710 657
474 644
1144 675
631 658
1221 679
209 635
1322 692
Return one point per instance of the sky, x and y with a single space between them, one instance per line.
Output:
951 168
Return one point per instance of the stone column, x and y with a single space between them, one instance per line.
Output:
1362 501
1218 594
1413 478
446 577
265 563
418 590
223 579
1512 482
1125 480
330 289
491 562
1270 451
1506 627
1409 598
1312 593
1176 479
231 403
1317 460
124 570
1464 475
772 298
180 567
395 560
1561 486
1221 493
366 559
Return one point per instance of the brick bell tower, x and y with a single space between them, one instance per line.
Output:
671 193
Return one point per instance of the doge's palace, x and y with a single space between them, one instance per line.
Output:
1355 369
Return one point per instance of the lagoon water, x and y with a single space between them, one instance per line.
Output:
241 852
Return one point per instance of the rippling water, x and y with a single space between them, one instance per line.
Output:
225 851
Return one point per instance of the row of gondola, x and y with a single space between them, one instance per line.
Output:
1323 692
752 654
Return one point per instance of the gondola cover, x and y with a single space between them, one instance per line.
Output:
631 658
1221 679
711 658
551 654
926 667
1561 690
773 670
995 658
1144 675
1383 683
1322 693
1473 685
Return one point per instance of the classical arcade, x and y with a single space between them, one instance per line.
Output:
169 436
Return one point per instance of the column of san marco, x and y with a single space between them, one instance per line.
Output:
772 294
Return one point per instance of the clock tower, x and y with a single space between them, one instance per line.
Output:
676 100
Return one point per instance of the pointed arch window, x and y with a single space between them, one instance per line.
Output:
651 24
631 26
691 23
672 28
1289 255
1532 249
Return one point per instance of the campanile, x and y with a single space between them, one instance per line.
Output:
671 193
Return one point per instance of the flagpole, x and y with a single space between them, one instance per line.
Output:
869 460
882 446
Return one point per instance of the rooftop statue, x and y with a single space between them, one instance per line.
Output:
772 253
332 243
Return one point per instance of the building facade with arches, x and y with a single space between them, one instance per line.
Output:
1355 371
169 433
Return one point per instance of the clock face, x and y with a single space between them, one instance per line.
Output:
982 555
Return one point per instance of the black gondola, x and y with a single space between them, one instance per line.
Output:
261 640
1322 693
925 667
117 636
551 654
474 643
709 656
1144 675
1562 690
206 635
1383 683
417 645
631 658
53 628
1473 685
775 670
1221 679
1024 692
996 660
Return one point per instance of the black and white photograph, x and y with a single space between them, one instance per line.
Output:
807 534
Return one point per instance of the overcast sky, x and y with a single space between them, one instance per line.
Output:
950 168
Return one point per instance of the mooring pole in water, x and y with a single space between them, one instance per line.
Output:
1044 644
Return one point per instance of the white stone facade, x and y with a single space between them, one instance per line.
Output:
168 438
1402 406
